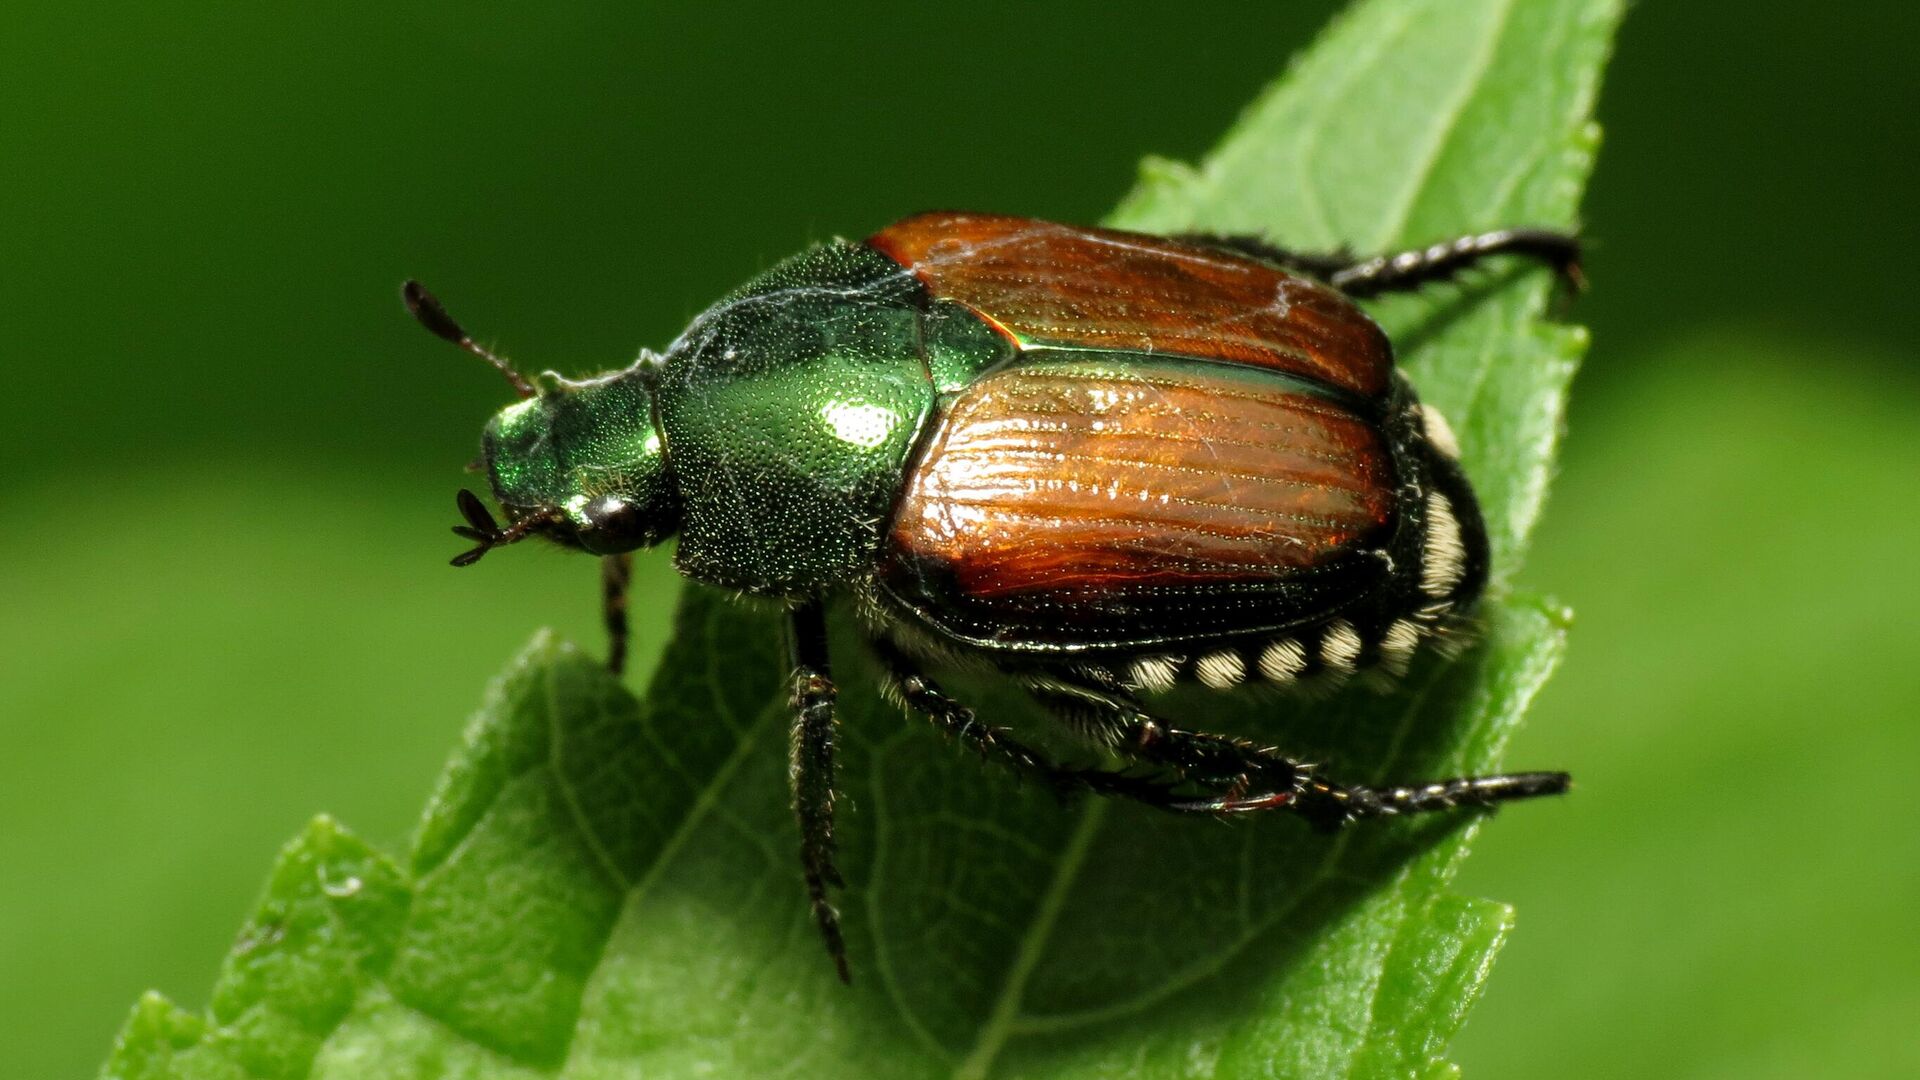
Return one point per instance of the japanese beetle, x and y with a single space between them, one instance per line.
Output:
1101 462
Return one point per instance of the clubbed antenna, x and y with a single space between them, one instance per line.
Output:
427 309
483 530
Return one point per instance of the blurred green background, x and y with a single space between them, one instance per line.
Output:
230 456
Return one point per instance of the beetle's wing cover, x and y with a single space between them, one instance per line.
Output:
1110 499
1047 284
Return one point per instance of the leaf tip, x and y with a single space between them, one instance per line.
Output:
546 650
322 829
544 642
1159 181
155 1030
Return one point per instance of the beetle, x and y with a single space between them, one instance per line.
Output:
1101 462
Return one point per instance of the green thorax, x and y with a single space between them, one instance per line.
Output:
790 410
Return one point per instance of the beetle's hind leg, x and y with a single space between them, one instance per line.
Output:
1245 777
811 771
1216 763
1330 806
1407 270
1219 773
920 694
1235 774
1320 264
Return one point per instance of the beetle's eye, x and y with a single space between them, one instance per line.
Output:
613 525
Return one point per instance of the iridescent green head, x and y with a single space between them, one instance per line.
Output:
580 463
585 465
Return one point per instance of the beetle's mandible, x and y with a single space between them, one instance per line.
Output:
1102 462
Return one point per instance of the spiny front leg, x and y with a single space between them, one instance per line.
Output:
616 574
810 770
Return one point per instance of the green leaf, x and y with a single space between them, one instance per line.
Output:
608 887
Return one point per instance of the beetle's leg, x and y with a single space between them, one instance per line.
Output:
1238 772
1320 264
922 695
1242 776
810 770
1330 806
616 573
1250 777
1407 270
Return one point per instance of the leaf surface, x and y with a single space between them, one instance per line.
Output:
603 886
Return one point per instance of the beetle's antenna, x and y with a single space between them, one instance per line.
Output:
426 308
484 531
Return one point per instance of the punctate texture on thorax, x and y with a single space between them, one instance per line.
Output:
790 408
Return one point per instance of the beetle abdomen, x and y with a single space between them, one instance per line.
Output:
1081 499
